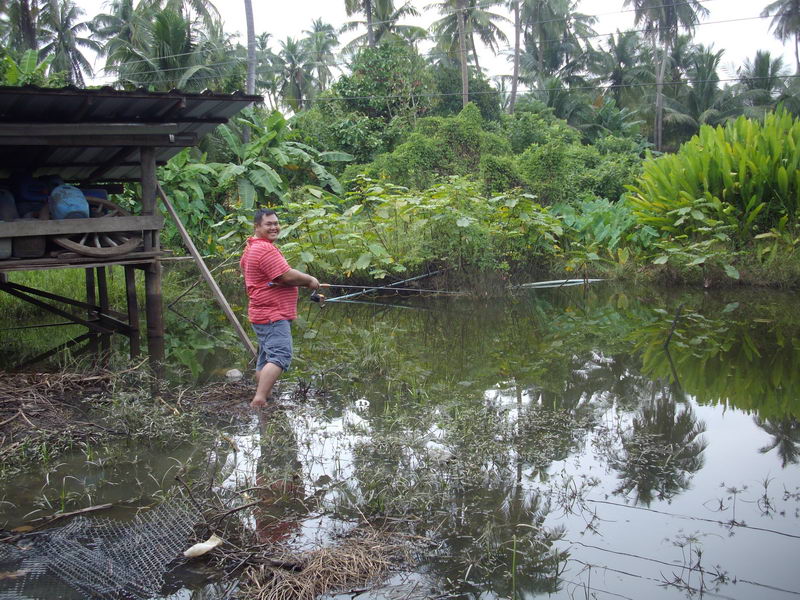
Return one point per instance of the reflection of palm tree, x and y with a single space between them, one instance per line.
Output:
661 452
785 438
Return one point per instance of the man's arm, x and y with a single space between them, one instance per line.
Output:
297 278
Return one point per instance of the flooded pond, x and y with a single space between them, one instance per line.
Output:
567 443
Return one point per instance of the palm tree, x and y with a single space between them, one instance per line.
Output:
515 9
555 43
268 70
624 66
703 101
362 6
786 23
296 86
763 73
386 25
661 20
173 56
476 20
23 16
61 33
321 41
189 9
251 49
123 25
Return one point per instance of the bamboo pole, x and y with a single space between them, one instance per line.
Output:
226 308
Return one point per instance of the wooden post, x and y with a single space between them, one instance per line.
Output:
148 181
102 293
155 317
90 314
152 273
133 310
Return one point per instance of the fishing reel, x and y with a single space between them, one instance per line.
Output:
317 297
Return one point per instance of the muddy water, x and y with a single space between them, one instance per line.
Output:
571 443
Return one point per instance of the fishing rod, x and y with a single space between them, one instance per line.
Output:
386 287
321 298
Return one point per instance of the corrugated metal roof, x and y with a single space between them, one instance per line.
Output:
94 135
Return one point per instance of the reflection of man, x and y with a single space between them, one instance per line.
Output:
272 293
279 482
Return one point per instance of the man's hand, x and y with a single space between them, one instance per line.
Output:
313 284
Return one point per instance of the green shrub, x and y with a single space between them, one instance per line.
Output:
524 129
550 171
499 174
416 163
743 177
481 93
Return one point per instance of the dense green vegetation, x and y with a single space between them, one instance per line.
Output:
631 156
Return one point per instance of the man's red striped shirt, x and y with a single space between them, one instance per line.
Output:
262 263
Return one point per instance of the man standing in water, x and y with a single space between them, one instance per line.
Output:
272 293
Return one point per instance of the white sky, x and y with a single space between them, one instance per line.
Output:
732 25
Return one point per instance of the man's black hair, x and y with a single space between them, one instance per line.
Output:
261 213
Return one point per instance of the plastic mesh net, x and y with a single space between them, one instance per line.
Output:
98 557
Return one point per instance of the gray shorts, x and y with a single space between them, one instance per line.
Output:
274 343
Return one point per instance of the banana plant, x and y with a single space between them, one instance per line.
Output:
266 167
28 71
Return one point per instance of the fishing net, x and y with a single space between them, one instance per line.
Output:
98 557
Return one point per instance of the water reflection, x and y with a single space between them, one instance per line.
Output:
278 479
478 425
785 438
660 452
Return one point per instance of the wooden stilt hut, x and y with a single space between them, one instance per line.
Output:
95 140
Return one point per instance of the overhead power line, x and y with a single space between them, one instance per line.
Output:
428 55
571 89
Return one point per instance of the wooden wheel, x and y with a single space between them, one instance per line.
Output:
101 245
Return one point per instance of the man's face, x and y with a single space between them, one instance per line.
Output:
268 229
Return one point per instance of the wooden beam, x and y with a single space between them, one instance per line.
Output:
83 129
116 160
177 140
94 327
89 305
25 228
70 260
226 308
40 357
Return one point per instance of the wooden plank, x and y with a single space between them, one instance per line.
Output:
226 308
25 228
178 140
69 260
50 129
